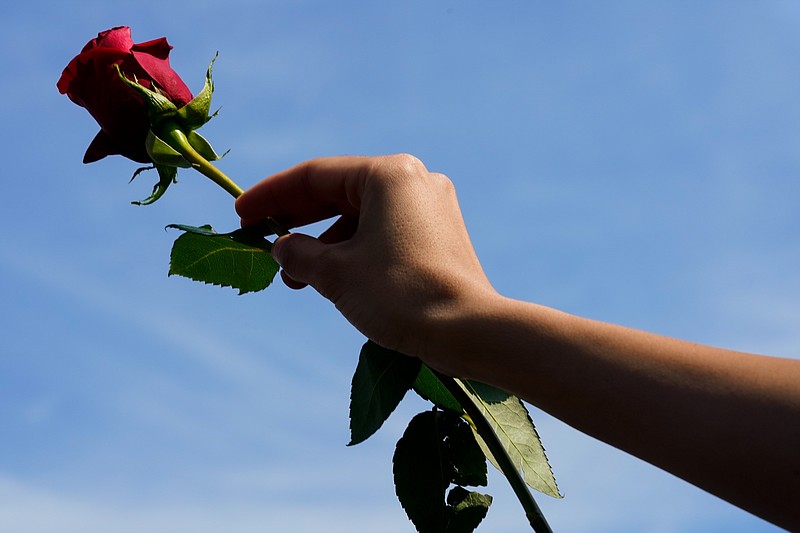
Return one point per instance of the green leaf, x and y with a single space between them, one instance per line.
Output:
469 509
380 382
512 423
428 386
206 229
418 473
466 455
240 259
426 463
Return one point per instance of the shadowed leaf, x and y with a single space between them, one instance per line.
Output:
436 450
468 509
380 382
428 386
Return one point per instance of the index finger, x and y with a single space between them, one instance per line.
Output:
315 190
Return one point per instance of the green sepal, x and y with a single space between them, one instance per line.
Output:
159 107
194 114
202 146
163 154
166 176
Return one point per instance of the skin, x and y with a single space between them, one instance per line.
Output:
725 421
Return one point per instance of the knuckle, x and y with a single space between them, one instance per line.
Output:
408 170
401 165
407 161
442 182
443 186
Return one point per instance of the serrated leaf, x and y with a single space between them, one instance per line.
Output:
380 382
466 455
418 480
468 509
430 388
514 427
238 259
197 230
425 465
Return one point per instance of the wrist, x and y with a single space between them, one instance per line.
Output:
500 341
463 338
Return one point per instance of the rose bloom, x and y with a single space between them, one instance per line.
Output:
91 81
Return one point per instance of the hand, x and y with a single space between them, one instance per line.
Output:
398 263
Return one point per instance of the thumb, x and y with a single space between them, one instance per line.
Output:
299 257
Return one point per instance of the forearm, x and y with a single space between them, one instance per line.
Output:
402 269
725 421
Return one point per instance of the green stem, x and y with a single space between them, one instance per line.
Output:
177 139
535 517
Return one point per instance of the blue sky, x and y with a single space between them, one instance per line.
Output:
634 162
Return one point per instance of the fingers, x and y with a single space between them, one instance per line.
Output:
309 192
341 230
298 256
292 283
323 188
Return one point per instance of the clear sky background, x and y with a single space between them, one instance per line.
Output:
629 161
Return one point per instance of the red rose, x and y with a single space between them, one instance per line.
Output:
91 81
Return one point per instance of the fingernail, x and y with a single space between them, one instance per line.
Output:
277 248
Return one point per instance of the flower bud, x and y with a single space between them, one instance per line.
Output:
145 111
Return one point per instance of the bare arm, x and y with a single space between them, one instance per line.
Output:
399 265
725 421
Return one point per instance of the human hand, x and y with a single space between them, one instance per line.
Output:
397 263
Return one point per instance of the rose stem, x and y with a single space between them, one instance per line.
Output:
202 165
536 519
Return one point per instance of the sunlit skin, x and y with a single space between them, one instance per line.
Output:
399 265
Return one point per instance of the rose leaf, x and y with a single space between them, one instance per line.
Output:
428 386
240 259
512 424
468 509
380 382
426 463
